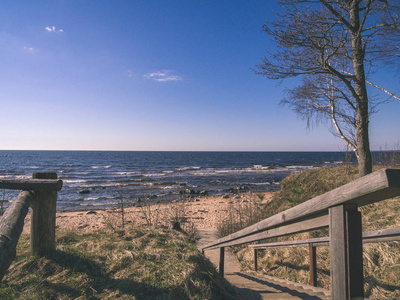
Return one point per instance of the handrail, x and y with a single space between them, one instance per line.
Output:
31 184
386 235
338 210
375 187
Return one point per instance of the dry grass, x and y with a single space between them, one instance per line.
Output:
244 210
136 263
381 260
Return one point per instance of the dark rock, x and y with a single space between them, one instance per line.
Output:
85 191
91 212
191 191
203 193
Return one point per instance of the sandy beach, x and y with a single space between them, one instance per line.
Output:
202 212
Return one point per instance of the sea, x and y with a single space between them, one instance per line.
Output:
102 179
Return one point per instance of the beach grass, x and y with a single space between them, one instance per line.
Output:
134 263
381 260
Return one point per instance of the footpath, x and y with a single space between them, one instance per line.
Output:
251 285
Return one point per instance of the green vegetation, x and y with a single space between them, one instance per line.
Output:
381 260
136 263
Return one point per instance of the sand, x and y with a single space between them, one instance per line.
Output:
202 212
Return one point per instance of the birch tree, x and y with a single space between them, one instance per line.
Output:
335 47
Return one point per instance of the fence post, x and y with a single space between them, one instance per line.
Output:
43 218
255 260
313 264
221 260
346 252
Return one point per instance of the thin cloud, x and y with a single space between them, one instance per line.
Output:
130 73
163 76
53 29
29 49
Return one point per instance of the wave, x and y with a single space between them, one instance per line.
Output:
154 175
187 168
301 167
100 167
125 173
91 199
74 180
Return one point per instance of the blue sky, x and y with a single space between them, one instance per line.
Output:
151 75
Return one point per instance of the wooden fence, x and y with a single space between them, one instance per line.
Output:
338 210
39 193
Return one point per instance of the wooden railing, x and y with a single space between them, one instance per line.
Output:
387 235
39 193
338 210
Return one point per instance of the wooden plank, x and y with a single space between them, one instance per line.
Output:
288 244
11 226
354 254
221 261
383 235
377 186
313 264
345 232
31 184
43 218
338 251
305 225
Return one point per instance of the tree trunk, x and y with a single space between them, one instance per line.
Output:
364 152
363 149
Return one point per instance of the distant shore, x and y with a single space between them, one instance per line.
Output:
202 212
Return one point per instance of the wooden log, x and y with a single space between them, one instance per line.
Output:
377 186
221 261
43 219
31 184
313 264
346 253
11 225
305 225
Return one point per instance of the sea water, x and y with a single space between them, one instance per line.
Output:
98 179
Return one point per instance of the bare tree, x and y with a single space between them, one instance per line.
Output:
334 45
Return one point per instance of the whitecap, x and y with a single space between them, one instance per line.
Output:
187 168
100 167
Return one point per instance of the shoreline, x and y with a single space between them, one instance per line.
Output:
202 212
